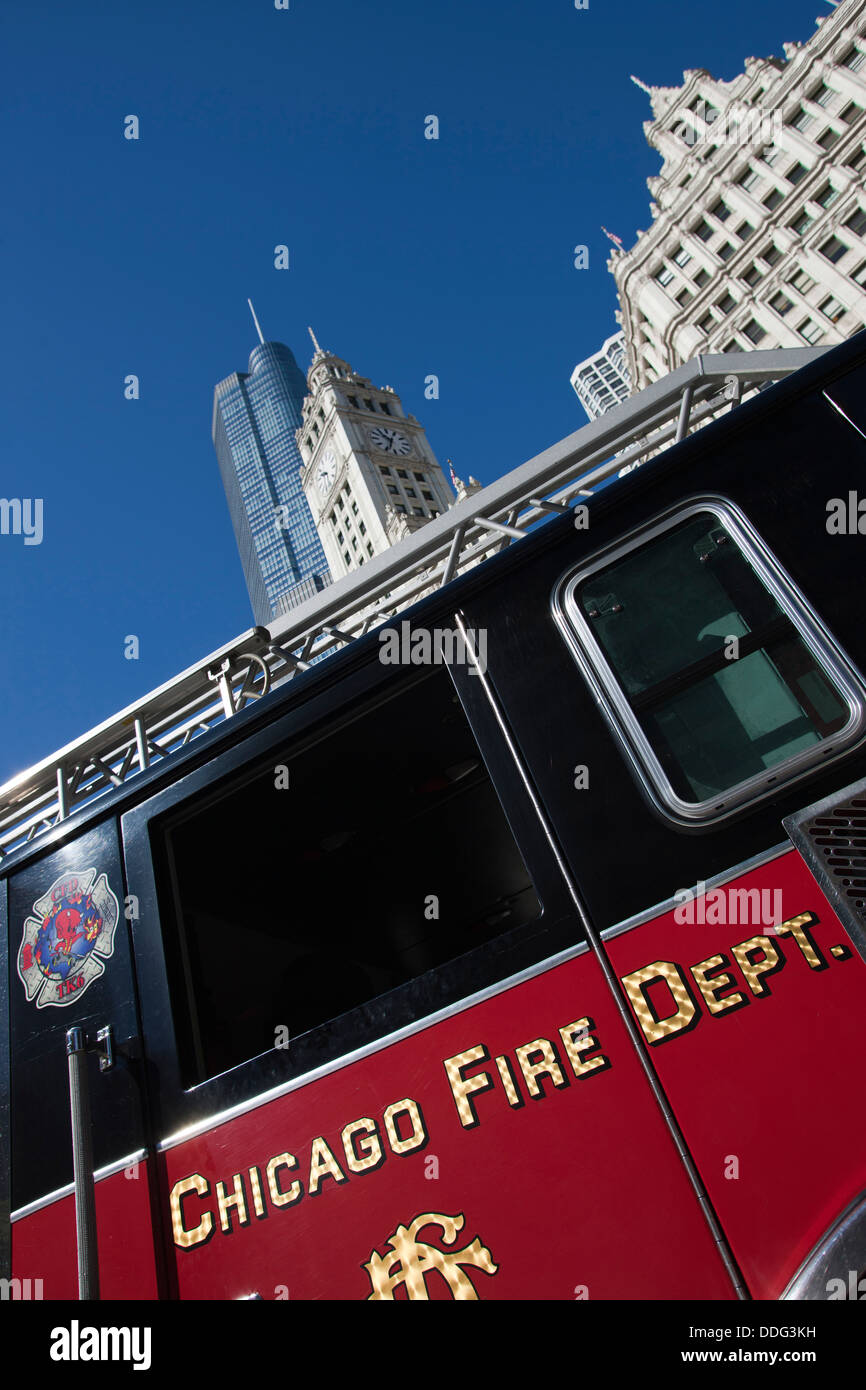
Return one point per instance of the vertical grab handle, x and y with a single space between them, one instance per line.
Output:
82 1163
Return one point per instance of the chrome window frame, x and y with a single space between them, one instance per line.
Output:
625 724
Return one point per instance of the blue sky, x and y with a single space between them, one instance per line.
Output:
408 256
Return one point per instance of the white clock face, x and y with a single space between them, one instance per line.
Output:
390 441
326 472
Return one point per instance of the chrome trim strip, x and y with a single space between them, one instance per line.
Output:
839 1254
69 1188
222 1117
625 725
726 876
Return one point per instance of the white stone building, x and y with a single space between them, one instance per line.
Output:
759 213
369 473
602 381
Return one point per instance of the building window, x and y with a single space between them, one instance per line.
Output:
798 172
802 120
401 473
732 346
726 251
853 60
664 276
353 401
754 332
856 159
781 303
399 507
851 112
427 495
369 549
811 331
753 275
419 477
749 180
771 254
650 623
703 230
410 492
721 211
706 323
857 222
354 509
833 249
682 257
726 304
827 195
801 223
773 199
384 407
417 511
702 277
802 282
823 96
828 139
369 404
385 470
771 154
859 275
354 542
393 490
745 230
362 528
832 309
340 537
348 559
683 297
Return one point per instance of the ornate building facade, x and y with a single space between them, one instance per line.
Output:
602 381
369 474
759 214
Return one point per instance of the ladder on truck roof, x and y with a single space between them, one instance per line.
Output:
221 684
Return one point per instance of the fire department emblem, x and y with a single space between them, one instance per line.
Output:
411 1260
65 943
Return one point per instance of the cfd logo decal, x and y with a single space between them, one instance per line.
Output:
412 1260
64 945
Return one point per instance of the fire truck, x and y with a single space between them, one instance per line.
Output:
491 926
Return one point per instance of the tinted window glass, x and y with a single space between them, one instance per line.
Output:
713 684
339 871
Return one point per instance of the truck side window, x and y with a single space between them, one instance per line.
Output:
353 862
712 669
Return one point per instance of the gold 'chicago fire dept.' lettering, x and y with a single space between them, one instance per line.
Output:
199 1208
539 1063
666 1002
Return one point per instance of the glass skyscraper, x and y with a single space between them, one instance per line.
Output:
255 415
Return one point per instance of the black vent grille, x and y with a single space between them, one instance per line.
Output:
831 836
840 839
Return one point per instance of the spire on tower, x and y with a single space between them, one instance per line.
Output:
315 340
643 86
255 321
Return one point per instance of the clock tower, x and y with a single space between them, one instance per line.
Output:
369 474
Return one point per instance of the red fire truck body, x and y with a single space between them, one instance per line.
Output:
533 970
